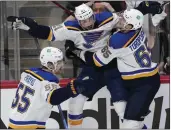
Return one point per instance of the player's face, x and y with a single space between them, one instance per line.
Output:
122 23
87 24
59 67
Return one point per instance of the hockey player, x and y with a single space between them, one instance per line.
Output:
89 32
39 89
138 72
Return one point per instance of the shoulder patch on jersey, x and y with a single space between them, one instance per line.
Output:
72 25
122 40
41 75
103 18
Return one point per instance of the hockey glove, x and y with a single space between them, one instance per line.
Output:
79 86
150 7
69 49
22 23
159 16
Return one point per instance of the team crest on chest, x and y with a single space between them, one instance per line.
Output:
91 38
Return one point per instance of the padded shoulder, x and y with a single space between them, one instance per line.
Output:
72 25
42 74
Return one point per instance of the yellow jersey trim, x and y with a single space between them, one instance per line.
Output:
75 122
96 62
49 96
34 74
25 126
107 20
140 75
130 40
50 36
72 28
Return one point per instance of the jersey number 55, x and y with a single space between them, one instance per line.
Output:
22 102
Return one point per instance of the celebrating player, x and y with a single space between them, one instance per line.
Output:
88 32
129 46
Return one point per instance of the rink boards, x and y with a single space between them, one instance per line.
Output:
98 113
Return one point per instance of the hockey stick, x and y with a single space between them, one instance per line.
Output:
62 7
62 116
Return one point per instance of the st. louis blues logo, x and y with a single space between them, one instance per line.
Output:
91 37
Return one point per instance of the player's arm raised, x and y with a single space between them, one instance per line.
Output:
36 30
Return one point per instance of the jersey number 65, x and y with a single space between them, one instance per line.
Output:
142 57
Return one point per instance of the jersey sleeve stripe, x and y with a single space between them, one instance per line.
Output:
26 126
34 75
26 122
129 77
51 37
139 71
130 40
106 21
72 28
49 96
97 61
75 122
75 117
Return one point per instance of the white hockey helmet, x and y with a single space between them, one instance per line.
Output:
83 12
133 17
85 16
52 58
